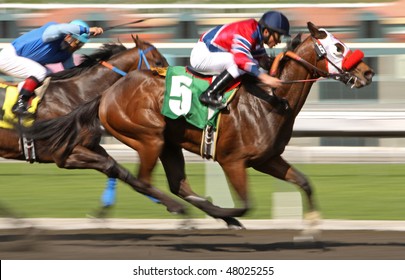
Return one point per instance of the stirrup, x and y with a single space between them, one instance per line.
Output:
219 105
208 101
216 104
204 99
19 109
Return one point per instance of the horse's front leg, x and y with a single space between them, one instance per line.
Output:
173 162
279 168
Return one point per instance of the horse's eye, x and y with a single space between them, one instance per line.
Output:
159 63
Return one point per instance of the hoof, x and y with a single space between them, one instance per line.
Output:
233 227
178 209
100 213
233 223
187 225
313 218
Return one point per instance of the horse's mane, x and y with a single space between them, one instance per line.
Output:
291 45
294 43
105 52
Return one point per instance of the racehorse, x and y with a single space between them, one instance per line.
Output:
68 89
252 132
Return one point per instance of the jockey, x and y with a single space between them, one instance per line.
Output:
27 55
231 50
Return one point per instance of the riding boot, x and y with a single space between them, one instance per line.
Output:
26 92
211 97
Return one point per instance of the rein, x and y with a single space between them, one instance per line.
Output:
142 58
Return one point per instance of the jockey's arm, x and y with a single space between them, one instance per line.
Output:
249 56
57 31
68 63
269 80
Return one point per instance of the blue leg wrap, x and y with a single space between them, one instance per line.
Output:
155 200
108 196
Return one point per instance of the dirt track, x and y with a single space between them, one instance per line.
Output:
198 244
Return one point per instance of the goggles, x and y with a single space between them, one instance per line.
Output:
70 42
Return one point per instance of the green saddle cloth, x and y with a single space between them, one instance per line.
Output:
181 98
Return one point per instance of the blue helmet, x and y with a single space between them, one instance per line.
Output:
84 37
275 21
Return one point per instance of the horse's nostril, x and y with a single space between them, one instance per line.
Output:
369 75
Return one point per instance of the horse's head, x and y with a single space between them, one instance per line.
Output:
149 56
340 62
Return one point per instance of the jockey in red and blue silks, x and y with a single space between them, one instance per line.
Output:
27 55
242 39
231 50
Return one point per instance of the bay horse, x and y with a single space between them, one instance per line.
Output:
68 89
252 132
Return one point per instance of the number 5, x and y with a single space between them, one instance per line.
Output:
181 103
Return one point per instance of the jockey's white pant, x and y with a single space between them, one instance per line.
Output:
20 67
206 62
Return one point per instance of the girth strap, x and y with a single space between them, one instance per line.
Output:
28 149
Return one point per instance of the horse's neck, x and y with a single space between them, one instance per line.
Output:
83 87
297 92
126 60
102 76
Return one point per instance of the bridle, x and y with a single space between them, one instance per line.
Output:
344 76
142 59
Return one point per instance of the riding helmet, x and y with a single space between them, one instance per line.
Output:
275 21
84 37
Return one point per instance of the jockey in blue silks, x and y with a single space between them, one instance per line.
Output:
27 55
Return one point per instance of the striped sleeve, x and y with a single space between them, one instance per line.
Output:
241 49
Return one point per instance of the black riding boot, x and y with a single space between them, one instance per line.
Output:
211 96
20 107
26 92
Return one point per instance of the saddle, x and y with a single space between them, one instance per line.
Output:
8 97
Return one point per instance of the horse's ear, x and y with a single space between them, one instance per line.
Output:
135 39
315 32
295 41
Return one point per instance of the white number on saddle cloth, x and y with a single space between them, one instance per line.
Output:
180 95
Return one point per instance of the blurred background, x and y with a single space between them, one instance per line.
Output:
336 125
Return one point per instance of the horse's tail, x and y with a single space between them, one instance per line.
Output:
66 130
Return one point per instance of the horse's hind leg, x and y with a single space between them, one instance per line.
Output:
173 162
98 159
281 169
